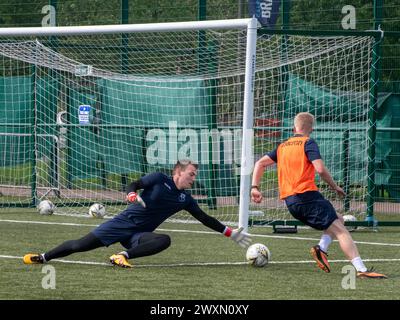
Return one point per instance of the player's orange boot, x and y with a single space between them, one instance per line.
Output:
33 258
321 258
120 260
371 274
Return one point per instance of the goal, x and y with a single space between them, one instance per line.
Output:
87 110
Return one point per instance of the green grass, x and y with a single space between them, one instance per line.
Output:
158 277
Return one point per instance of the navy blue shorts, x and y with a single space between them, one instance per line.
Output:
313 210
119 229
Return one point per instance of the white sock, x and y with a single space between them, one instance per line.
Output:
124 253
325 242
359 264
44 259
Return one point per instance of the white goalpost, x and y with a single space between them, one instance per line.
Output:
88 109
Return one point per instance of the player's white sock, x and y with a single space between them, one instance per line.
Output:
359 264
124 253
43 257
325 242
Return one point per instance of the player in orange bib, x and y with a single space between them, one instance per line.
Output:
297 159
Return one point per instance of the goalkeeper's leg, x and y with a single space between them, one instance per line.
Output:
86 243
149 243
141 245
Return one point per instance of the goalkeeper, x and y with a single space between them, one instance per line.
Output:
297 160
162 196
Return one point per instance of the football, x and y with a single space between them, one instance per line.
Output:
46 207
97 210
349 217
258 255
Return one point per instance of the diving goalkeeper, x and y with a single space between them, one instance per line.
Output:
134 228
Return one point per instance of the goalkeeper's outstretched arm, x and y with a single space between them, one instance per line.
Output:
241 238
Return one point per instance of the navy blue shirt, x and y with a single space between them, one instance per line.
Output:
163 199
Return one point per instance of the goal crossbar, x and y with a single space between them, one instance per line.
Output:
128 28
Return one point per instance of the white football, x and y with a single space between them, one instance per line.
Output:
258 255
349 217
46 207
97 210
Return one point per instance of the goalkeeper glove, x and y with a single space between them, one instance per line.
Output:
131 197
241 238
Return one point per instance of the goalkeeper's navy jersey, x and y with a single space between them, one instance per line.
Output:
162 200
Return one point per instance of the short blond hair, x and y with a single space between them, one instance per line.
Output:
183 164
304 121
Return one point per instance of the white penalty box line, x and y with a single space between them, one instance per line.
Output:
196 232
193 264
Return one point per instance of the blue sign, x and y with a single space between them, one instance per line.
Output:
83 114
266 11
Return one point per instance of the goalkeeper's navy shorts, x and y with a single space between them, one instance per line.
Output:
119 229
312 209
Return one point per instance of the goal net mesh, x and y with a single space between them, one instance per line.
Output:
83 116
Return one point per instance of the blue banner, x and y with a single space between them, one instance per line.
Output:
266 11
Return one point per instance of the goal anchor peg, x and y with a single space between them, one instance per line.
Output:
285 229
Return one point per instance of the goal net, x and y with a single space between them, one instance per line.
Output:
84 113
330 77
